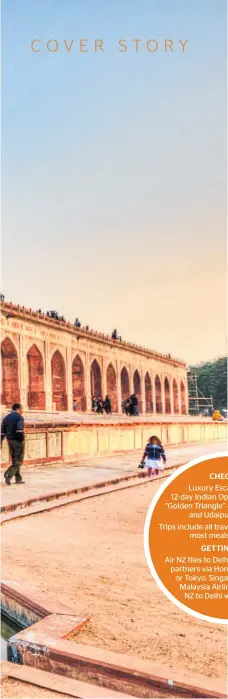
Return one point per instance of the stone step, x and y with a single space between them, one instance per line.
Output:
57 683
45 506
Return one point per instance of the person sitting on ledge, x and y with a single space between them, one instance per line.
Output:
217 416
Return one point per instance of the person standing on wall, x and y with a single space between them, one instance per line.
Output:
135 404
107 405
12 429
100 405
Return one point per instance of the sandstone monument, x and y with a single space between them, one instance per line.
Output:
49 363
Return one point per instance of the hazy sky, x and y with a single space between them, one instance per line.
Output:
114 189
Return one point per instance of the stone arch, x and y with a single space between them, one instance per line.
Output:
58 372
10 374
125 384
183 398
36 394
78 383
167 396
148 393
111 387
137 387
95 375
158 395
175 397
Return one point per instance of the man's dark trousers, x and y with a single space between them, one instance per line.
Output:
16 450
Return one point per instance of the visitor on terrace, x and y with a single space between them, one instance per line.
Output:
107 405
94 404
217 416
100 405
154 456
127 407
97 405
134 405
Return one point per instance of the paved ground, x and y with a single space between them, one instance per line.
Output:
90 556
23 690
43 480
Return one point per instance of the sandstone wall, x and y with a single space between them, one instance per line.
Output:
68 444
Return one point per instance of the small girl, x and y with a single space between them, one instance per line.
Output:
153 456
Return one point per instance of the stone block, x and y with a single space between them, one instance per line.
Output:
54 444
35 446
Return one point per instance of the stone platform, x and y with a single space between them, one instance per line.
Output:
49 642
68 439
96 553
74 417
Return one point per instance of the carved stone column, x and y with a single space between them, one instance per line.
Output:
118 387
163 393
179 394
171 394
88 383
48 377
143 391
131 379
153 376
22 371
69 387
105 363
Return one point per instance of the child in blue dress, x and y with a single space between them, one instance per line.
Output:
154 456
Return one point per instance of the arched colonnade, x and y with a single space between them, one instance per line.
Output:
155 393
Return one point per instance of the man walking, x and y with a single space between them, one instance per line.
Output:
13 429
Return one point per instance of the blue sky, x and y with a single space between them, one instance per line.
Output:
114 171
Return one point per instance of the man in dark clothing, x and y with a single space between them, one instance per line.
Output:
135 404
94 404
107 405
100 405
13 429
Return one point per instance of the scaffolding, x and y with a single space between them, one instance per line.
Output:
198 403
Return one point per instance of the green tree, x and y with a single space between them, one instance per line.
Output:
212 380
